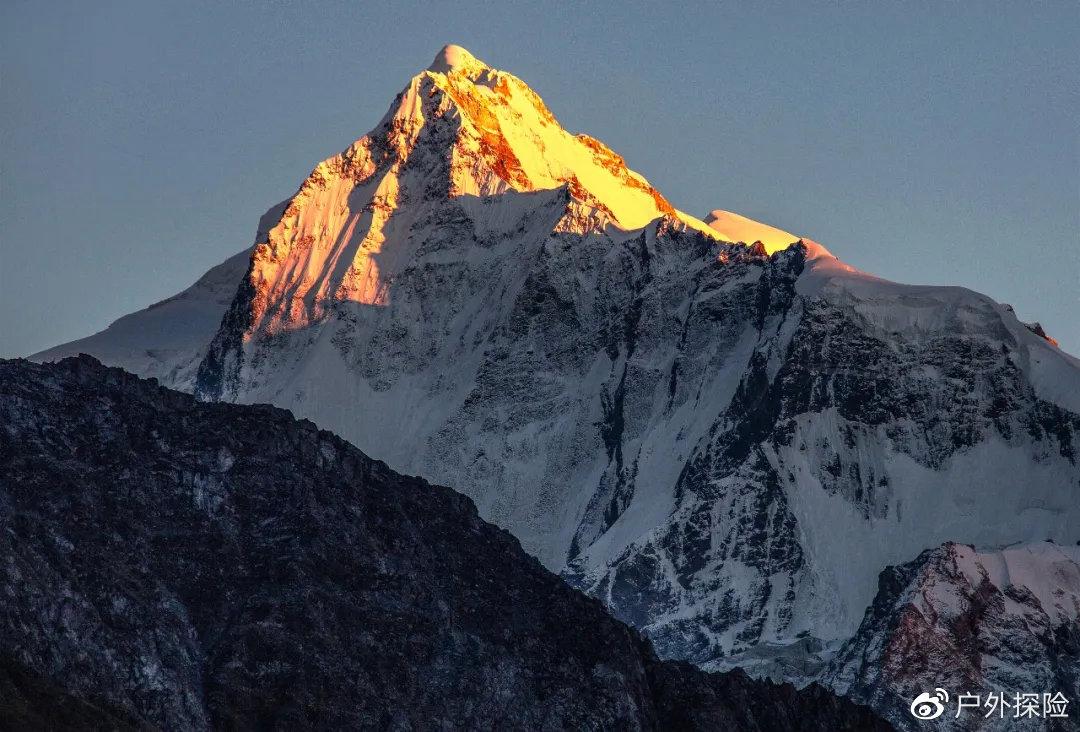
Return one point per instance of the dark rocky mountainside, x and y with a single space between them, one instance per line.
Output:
168 563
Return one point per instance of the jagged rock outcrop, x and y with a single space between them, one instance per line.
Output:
171 564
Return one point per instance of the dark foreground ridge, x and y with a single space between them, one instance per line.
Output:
167 563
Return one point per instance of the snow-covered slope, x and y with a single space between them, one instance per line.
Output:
733 227
999 622
168 340
869 421
725 443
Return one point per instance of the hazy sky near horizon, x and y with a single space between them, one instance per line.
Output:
924 142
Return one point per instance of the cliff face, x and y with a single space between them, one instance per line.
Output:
183 565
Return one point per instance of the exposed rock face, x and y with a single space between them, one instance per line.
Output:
174 564
869 421
1005 622
724 443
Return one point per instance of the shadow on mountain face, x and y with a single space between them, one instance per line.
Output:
183 565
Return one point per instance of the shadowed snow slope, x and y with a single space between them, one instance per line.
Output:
724 443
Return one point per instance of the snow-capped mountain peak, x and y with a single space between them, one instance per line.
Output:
455 59
459 130
725 443
509 139
460 134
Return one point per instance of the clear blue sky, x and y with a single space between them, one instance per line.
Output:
924 142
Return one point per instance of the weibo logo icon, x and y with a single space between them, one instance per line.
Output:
928 706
